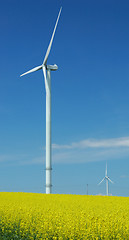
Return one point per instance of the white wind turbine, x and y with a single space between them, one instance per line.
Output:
47 77
107 179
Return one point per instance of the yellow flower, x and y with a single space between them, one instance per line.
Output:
60 217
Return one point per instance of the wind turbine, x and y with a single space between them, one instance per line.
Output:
107 179
47 77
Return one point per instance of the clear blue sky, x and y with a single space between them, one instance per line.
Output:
90 95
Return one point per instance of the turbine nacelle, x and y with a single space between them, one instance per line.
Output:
52 67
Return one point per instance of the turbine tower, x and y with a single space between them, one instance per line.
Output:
106 178
47 77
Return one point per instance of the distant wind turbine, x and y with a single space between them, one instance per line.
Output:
47 77
107 179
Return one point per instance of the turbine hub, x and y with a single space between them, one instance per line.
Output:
52 67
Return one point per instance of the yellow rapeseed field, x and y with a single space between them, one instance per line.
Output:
41 216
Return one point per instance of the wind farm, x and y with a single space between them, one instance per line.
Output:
89 97
52 163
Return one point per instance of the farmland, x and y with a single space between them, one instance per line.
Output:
41 216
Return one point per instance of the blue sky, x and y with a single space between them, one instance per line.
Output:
90 95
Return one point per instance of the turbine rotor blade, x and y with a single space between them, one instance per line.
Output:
45 77
101 181
106 170
32 70
50 44
110 180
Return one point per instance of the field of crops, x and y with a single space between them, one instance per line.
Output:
41 216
